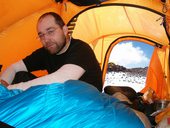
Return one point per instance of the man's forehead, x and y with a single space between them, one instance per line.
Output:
46 23
47 18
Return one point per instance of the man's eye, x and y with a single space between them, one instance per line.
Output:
41 35
50 32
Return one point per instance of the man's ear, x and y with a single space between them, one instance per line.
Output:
65 29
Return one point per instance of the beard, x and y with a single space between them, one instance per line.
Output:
54 47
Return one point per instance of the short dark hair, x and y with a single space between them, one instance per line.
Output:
57 18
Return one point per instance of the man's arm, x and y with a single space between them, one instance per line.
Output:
66 72
8 75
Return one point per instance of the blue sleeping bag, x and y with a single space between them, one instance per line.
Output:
71 104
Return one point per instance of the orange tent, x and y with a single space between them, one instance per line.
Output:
102 26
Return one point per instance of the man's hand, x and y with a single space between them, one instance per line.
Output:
3 82
17 86
12 87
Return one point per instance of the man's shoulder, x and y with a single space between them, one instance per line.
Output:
39 50
79 42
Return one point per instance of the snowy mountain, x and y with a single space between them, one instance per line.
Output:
121 76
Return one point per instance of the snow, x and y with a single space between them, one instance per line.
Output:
137 82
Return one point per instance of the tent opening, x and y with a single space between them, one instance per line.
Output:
128 64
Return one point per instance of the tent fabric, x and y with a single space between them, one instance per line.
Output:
70 104
155 77
98 25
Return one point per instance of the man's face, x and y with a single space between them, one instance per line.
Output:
51 35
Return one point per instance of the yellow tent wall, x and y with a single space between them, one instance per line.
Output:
98 25
157 77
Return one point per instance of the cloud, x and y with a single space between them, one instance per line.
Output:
125 54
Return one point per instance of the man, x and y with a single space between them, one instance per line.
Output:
63 57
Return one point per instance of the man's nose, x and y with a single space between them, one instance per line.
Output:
46 38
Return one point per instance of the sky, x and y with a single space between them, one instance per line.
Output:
131 54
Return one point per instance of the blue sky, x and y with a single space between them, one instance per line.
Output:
131 54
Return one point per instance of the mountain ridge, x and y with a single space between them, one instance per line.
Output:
133 71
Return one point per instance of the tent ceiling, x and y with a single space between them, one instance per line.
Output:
14 10
120 21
